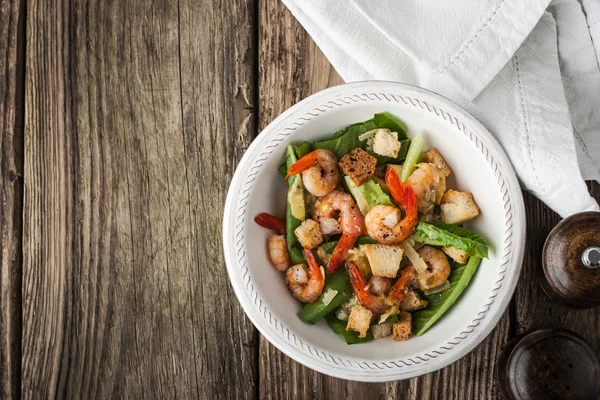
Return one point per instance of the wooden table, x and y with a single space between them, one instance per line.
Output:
121 124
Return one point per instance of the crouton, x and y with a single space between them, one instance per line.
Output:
459 256
413 302
458 207
309 234
359 320
433 156
381 330
402 329
386 143
358 165
384 259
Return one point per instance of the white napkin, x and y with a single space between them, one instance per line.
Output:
527 69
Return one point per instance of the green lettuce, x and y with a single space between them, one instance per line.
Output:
330 246
367 195
347 139
439 234
338 281
291 222
339 327
441 302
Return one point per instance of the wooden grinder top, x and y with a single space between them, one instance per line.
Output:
571 261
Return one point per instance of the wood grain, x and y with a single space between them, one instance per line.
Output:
291 67
12 40
130 141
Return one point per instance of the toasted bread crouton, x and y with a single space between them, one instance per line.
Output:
309 234
413 302
402 329
433 156
458 207
359 320
384 259
381 330
358 165
459 256
386 143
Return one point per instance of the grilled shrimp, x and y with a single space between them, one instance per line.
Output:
305 284
438 269
385 223
320 171
406 281
429 184
278 252
378 285
377 304
351 222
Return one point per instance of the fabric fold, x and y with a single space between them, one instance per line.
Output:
532 83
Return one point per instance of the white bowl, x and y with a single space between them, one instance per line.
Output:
480 166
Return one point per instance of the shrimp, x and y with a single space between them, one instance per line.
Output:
378 285
351 223
320 171
269 221
438 269
351 220
385 223
278 252
305 286
429 184
406 281
377 304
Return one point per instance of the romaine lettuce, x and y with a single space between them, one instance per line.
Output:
368 195
439 234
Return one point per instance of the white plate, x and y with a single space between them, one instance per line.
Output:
479 165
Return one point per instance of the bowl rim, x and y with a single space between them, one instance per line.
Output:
356 369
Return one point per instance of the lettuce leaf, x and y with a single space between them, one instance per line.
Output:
351 337
387 120
439 234
347 139
367 195
291 222
441 302
303 149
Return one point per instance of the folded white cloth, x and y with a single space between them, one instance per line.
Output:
527 69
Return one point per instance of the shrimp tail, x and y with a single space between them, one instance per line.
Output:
269 221
404 196
400 288
337 258
304 163
358 282
377 304
409 201
313 265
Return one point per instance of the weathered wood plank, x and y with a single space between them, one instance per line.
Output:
534 309
217 77
12 46
129 153
291 68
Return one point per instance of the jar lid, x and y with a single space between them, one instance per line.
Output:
571 261
549 364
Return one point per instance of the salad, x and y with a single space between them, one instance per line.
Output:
372 238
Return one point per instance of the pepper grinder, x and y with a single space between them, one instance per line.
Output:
554 363
571 261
